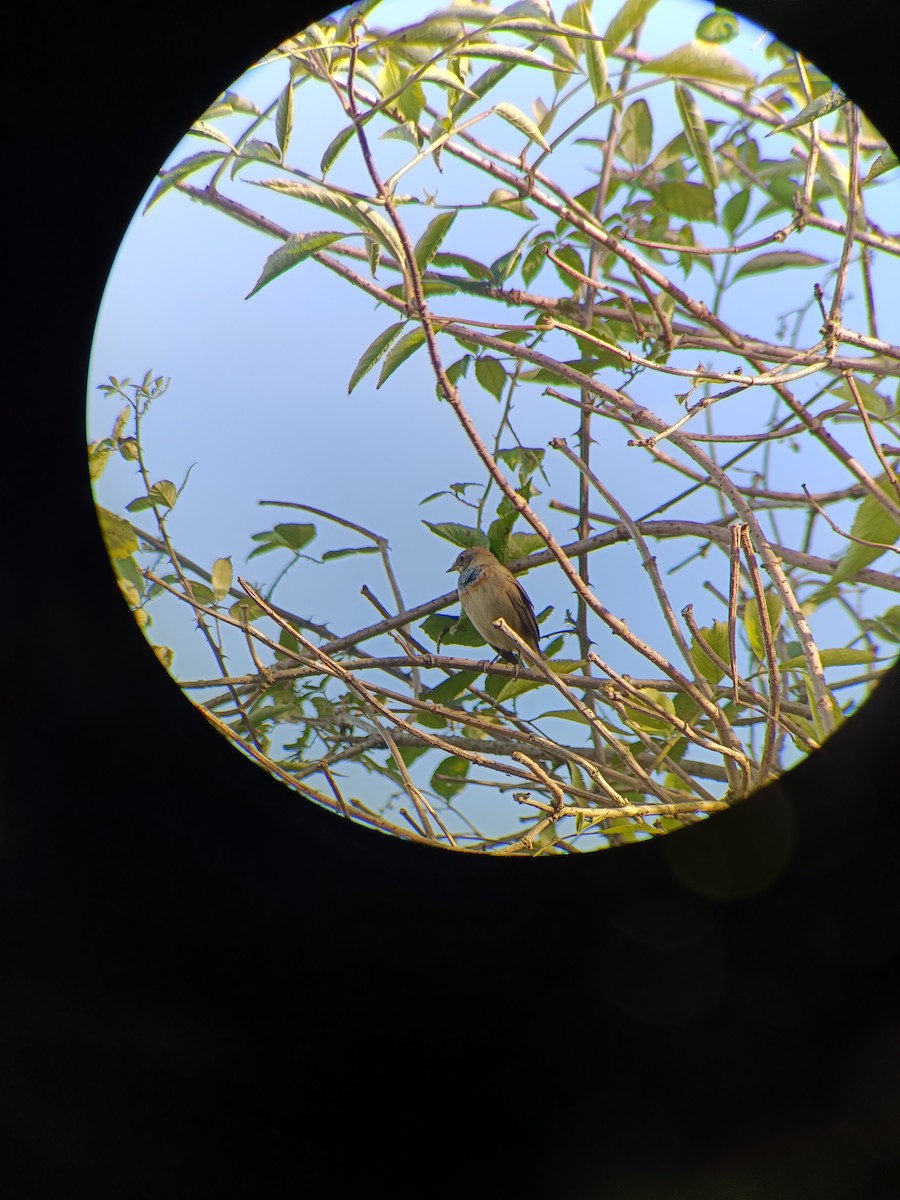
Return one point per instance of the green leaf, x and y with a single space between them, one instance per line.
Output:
284 118
886 161
222 575
473 268
298 247
295 536
774 260
374 352
451 689
625 22
719 26
245 610
201 592
511 54
830 658
168 179
649 722
463 536
595 56
524 124
820 107
735 209
400 352
753 623
695 131
451 631
329 554
490 374
334 148
204 129
449 776
704 61
511 202
121 540
479 87
430 241
872 523
693 201
717 637
636 140
521 544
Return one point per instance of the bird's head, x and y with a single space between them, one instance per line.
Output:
475 556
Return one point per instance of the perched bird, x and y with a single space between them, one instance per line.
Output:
488 591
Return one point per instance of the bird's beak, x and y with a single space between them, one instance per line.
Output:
449 571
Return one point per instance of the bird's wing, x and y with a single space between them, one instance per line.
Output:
522 603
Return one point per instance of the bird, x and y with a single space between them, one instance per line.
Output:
488 591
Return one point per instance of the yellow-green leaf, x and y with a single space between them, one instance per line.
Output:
120 538
222 575
695 131
705 61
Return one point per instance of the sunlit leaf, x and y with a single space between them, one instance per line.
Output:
625 22
705 61
524 124
284 118
695 131
188 166
636 138
872 523
374 352
774 260
298 247
830 658
820 107
222 575
428 244
400 351
121 540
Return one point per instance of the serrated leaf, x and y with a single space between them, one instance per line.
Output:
872 523
524 124
830 658
400 351
705 61
298 247
625 22
188 166
430 241
222 575
820 107
204 129
695 131
121 540
334 148
374 352
284 118
774 260
463 536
